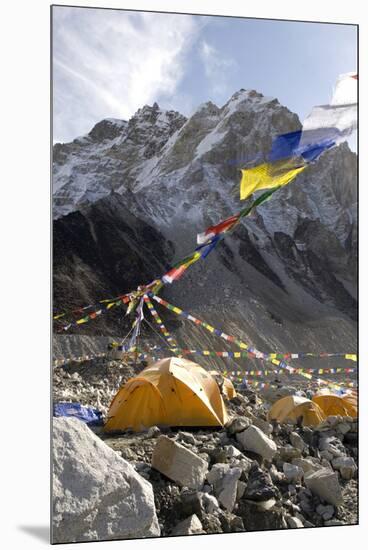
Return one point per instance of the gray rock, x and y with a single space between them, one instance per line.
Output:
326 512
306 464
343 428
186 437
333 446
240 489
253 439
288 452
191 502
97 495
233 452
178 463
346 466
153 431
211 524
238 424
128 454
325 484
259 486
209 503
245 464
224 439
276 476
189 526
263 425
326 455
217 474
227 496
293 473
297 441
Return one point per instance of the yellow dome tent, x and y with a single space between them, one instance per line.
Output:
352 399
292 407
334 405
171 392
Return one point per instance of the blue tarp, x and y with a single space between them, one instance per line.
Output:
92 417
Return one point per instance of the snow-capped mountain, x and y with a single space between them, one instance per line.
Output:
135 193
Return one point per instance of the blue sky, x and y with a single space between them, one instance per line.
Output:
108 63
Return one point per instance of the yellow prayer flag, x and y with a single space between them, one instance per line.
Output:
351 356
269 176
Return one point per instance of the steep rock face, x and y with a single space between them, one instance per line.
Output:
287 271
103 252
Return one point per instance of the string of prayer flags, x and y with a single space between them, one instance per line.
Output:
170 340
218 332
252 355
256 353
123 299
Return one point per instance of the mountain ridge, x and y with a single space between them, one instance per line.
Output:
295 256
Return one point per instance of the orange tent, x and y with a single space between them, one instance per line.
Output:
171 392
292 407
334 405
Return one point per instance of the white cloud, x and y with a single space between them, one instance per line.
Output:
110 63
216 68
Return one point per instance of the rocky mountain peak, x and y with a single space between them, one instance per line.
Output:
108 128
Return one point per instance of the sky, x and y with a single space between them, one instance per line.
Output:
109 63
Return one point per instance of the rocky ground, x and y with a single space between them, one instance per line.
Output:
250 475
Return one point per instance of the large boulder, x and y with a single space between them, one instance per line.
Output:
325 484
225 483
228 494
253 439
178 463
97 495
